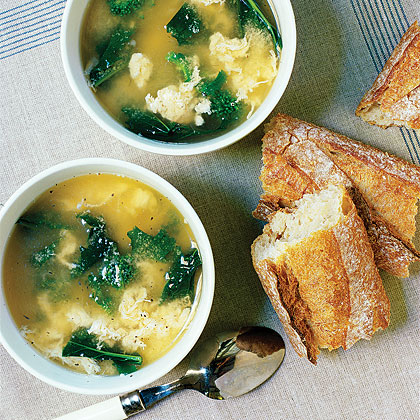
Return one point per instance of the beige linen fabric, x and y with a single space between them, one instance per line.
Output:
42 124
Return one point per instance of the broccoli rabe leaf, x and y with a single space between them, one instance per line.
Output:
98 244
224 105
100 293
54 283
88 218
48 220
83 344
185 25
180 278
117 270
40 257
46 281
182 63
115 57
249 13
149 125
211 87
124 7
156 247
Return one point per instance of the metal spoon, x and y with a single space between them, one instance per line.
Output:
227 365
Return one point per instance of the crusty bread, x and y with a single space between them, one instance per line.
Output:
394 98
302 158
316 265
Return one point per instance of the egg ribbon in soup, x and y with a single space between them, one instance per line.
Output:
100 274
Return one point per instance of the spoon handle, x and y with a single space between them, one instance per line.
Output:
154 394
119 408
110 409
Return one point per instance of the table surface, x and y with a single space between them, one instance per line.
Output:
342 44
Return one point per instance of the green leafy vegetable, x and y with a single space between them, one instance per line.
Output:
100 293
224 105
46 281
99 245
40 257
173 224
180 278
115 271
48 274
48 220
150 125
88 218
185 25
147 246
182 63
250 13
54 283
124 7
211 87
83 344
115 57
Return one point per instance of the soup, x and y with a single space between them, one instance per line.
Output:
179 71
100 274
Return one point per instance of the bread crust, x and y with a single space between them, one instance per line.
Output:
326 289
394 98
300 157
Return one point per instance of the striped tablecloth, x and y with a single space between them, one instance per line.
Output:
342 45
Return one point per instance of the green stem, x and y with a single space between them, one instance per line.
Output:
107 353
276 39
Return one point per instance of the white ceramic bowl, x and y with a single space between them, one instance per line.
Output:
59 376
70 53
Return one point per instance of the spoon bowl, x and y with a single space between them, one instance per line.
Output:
233 363
227 365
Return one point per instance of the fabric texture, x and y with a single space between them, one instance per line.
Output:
342 45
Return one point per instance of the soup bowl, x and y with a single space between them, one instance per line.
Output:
61 377
72 62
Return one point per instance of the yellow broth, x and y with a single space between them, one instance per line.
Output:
254 71
141 323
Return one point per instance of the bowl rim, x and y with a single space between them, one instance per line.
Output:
52 373
84 95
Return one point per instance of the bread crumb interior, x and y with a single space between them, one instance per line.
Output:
313 212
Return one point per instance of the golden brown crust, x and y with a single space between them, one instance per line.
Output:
323 286
285 130
392 253
284 180
300 157
369 305
326 289
394 98
290 308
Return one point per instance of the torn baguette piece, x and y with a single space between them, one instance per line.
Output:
302 158
316 265
394 98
